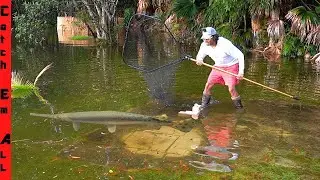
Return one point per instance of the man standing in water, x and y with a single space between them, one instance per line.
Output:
227 57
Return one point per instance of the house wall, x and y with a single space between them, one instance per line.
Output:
68 26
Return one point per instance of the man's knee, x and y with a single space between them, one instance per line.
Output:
232 88
208 85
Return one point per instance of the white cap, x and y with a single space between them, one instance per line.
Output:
208 32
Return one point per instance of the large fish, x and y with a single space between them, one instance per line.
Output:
109 118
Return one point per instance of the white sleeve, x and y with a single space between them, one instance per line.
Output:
236 53
201 53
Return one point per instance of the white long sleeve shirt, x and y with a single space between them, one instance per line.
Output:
224 54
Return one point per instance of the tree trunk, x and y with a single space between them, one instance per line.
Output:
256 21
102 13
275 31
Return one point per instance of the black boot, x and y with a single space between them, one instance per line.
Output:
205 101
237 103
208 100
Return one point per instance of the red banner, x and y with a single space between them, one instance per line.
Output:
5 89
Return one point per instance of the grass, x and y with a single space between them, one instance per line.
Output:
81 37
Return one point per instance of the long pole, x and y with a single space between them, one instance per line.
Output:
213 67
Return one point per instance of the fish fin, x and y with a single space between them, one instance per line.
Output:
112 128
76 126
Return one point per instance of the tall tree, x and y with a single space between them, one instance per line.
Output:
33 19
102 14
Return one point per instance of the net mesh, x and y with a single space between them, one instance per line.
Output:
149 45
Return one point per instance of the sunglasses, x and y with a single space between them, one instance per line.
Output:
204 30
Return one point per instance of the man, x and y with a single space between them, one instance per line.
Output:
227 57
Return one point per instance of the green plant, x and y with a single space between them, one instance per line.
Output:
32 23
81 37
22 88
128 13
185 9
292 46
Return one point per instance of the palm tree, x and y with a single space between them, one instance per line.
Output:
261 10
305 23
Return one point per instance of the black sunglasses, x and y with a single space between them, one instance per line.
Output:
204 30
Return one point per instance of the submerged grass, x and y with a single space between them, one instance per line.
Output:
53 165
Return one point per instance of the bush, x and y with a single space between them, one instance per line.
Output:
293 47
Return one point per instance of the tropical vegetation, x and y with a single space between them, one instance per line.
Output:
270 25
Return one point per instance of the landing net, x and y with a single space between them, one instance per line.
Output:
149 45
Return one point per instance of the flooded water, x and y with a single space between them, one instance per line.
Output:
273 137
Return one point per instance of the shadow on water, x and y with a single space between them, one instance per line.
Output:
272 136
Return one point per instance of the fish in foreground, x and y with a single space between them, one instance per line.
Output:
109 118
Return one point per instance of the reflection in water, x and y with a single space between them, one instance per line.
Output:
316 68
271 77
104 58
212 166
288 76
218 130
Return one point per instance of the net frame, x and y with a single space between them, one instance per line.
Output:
146 18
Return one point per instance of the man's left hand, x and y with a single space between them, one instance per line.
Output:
240 76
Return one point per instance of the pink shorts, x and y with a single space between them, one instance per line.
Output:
218 77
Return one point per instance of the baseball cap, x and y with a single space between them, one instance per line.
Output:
208 32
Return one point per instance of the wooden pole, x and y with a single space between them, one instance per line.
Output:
213 67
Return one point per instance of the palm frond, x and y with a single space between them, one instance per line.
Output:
185 8
315 57
260 7
314 36
302 21
276 29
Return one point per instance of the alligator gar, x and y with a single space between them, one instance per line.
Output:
109 118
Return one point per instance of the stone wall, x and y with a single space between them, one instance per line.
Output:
68 26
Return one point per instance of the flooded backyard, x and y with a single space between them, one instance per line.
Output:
273 137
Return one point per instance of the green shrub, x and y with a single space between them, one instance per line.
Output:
293 47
